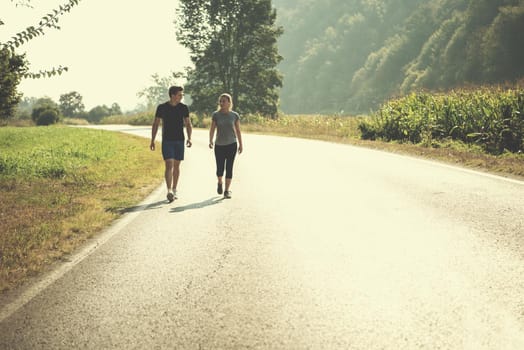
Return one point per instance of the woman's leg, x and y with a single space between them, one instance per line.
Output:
220 158
230 160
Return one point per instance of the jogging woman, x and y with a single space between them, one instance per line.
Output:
227 143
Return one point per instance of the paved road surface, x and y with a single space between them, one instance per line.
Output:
322 246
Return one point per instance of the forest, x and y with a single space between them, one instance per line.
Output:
349 56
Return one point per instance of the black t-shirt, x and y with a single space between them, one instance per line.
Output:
172 120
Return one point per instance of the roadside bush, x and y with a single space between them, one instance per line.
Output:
144 118
491 117
48 117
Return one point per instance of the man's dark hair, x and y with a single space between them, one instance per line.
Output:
173 90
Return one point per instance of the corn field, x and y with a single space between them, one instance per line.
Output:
491 117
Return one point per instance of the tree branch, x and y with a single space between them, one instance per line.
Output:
48 21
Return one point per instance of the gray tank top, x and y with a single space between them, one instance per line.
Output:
225 127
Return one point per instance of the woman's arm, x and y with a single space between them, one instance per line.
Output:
239 136
212 133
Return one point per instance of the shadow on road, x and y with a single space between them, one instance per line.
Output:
199 205
148 206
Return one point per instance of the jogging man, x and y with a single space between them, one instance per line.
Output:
174 116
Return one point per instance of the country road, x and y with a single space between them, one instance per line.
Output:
323 246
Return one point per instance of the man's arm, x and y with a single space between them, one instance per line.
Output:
189 130
154 130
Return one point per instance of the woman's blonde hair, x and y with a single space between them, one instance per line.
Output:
230 99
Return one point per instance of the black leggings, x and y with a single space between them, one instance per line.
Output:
225 157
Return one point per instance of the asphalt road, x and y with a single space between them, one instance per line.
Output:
322 246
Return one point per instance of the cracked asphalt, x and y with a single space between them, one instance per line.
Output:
322 246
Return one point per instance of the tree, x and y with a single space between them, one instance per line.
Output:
358 53
71 104
115 109
14 67
45 112
233 49
48 117
158 92
25 108
504 52
96 114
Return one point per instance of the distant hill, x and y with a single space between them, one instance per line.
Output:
351 55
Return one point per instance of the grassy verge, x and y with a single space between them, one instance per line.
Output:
59 186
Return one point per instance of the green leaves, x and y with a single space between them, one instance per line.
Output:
14 67
48 21
158 92
233 48
358 53
490 117
71 104
46 73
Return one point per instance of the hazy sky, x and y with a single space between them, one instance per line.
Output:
111 47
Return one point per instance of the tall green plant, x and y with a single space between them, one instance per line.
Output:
491 117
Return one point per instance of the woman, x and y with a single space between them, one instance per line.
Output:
228 140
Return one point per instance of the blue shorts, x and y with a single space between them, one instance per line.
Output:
173 150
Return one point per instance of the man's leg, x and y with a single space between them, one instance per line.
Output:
175 173
169 179
170 163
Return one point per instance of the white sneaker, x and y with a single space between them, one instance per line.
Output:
170 196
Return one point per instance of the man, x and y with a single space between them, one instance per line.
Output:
174 115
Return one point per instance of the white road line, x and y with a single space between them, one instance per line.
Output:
47 279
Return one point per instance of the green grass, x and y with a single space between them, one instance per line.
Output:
53 152
58 187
